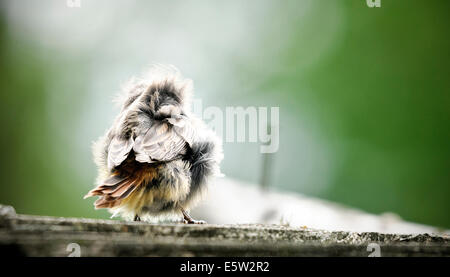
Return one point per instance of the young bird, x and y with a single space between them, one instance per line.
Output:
157 157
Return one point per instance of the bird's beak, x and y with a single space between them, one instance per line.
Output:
176 120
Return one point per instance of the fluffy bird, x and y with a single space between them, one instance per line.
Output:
157 157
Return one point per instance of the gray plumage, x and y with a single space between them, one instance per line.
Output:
157 157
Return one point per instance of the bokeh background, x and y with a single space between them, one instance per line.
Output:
364 94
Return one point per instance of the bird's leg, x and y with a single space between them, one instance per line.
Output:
137 218
188 219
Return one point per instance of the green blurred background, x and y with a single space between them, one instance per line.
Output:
364 94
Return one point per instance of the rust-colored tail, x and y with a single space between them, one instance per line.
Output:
112 191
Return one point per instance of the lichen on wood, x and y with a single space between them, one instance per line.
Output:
27 235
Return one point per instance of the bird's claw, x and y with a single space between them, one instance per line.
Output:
193 221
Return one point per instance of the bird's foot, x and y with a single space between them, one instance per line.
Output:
137 218
193 221
187 219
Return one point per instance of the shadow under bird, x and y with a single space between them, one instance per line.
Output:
157 157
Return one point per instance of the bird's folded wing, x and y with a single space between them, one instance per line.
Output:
163 141
159 143
184 128
118 151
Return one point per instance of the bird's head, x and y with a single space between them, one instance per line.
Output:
165 100
161 94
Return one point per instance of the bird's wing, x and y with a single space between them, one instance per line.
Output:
159 143
118 151
184 128
163 141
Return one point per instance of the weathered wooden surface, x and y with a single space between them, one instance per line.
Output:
50 236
